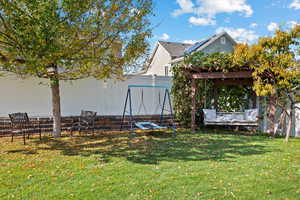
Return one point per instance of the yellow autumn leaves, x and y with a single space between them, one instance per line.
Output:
273 61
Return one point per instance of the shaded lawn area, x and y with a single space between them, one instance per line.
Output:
112 166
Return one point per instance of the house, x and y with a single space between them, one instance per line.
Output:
166 54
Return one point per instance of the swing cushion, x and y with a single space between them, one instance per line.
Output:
251 114
210 114
148 125
247 118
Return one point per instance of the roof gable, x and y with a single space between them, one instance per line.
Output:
175 49
205 43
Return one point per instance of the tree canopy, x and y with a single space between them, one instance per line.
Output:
273 60
276 70
81 37
72 39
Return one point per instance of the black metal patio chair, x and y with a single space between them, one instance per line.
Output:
86 122
20 124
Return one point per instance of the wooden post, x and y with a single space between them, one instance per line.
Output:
193 112
216 96
254 97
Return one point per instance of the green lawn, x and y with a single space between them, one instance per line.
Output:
112 166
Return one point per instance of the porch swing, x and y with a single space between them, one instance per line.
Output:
212 117
147 125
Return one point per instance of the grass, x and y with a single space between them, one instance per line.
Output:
112 166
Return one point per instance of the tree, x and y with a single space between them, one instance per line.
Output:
72 39
276 71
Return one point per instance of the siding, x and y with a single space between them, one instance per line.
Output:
217 46
161 59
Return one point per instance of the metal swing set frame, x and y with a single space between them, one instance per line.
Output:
147 125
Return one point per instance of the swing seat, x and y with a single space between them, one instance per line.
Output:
148 126
247 118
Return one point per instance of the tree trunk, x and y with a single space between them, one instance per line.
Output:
272 114
56 107
290 124
281 121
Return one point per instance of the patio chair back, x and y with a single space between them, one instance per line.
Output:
19 119
88 116
86 122
20 124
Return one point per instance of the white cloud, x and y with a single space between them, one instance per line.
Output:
273 26
241 35
190 41
213 7
295 4
201 21
208 9
292 24
164 37
186 6
253 25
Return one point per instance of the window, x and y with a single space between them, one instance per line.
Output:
223 40
166 71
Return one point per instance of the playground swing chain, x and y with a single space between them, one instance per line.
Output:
147 125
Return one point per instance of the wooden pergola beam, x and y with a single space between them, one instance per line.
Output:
221 75
228 82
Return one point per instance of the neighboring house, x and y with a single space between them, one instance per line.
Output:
167 54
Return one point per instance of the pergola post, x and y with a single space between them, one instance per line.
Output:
254 98
193 112
216 96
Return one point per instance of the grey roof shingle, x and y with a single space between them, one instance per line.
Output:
175 49
203 43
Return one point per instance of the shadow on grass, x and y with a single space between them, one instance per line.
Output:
24 151
157 147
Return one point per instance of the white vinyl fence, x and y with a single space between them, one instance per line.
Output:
106 98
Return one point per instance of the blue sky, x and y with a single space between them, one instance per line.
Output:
244 20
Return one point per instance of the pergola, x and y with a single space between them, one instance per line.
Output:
240 78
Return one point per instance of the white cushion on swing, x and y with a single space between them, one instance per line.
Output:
210 114
230 116
251 114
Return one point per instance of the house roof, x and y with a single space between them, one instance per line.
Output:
175 49
203 44
178 50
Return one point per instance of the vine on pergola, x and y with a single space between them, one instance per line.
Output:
231 98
